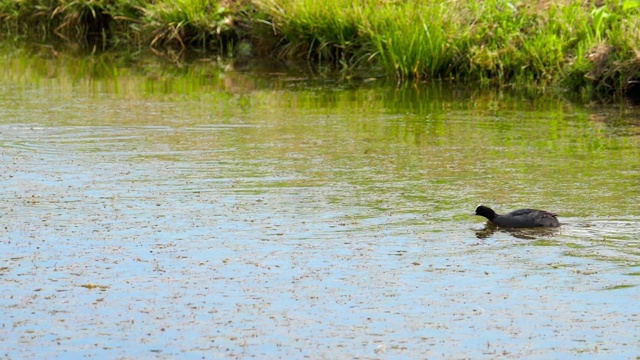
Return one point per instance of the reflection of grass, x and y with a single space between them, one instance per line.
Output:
449 150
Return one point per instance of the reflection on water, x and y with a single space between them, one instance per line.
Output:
525 234
256 214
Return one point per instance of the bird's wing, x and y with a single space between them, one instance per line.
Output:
523 212
548 214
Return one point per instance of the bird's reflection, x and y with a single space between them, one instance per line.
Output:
520 233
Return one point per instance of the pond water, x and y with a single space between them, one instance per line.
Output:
191 212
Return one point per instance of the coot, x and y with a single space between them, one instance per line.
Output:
523 218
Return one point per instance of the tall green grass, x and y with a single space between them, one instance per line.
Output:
590 48
576 44
412 41
68 19
318 31
190 23
208 24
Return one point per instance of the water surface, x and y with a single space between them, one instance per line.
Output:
190 212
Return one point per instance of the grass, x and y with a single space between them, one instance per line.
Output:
413 43
189 23
591 49
205 24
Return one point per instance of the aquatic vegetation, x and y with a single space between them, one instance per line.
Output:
91 286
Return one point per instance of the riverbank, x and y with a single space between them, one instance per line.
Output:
588 50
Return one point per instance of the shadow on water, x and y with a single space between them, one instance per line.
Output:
525 233
610 240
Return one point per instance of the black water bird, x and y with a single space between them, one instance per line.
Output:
523 218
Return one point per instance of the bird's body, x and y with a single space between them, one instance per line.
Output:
523 218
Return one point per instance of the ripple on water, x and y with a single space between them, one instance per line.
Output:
324 229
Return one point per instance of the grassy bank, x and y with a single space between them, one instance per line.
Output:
591 49
105 24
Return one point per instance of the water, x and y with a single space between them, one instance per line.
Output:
162 212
